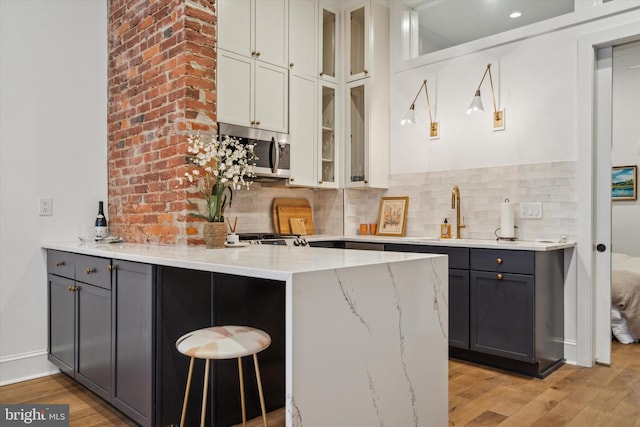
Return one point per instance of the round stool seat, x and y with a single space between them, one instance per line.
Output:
223 342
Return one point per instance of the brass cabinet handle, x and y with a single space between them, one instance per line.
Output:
499 276
111 267
253 53
366 181
499 260
321 73
59 263
258 122
292 179
258 54
253 122
90 270
70 288
320 182
291 65
366 71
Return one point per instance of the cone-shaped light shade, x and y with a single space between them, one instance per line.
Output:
410 117
476 104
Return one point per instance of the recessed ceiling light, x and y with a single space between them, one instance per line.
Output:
515 14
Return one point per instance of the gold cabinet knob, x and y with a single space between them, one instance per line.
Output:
258 54
292 179
253 53
291 65
70 288
499 260
499 276
258 122
366 181
321 73
111 267
90 270
59 263
366 71
320 182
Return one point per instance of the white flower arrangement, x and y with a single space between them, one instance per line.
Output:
218 165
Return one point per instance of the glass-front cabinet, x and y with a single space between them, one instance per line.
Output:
328 44
357 42
357 128
327 152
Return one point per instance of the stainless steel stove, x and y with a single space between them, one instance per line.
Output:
273 239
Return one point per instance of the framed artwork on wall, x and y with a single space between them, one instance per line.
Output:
624 183
392 216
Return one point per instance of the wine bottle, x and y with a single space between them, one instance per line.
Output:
101 222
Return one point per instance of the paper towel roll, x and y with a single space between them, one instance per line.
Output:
507 226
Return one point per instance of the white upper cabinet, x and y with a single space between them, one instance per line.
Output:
328 48
358 41
252 93
303 37
367 97
303 135
255 28
253 63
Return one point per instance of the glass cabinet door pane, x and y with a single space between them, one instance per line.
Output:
329 29
357 41
328 134
357 127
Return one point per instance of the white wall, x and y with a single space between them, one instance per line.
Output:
535 80
625 215
53 127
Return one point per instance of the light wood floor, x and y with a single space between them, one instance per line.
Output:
572 396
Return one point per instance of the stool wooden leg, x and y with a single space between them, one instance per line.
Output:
204 393
186 394
264 412
244 409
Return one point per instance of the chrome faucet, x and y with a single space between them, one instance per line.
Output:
455 204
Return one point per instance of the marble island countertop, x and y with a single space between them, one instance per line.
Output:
267 261
522 245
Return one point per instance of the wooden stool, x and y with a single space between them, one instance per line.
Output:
223 342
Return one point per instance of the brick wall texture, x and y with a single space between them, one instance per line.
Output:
161 86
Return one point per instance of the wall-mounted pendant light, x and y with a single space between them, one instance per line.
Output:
410 116
476 104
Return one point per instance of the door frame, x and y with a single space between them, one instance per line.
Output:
588 338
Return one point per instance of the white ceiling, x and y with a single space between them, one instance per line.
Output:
445 23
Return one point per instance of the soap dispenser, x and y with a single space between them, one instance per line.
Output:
445 230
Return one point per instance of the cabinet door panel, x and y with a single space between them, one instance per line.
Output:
303 36
502 315
62 323
235 30
271 97
133 340
459 308
272 31
94 339
303 131
234 88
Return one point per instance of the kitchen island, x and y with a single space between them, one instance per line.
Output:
359 337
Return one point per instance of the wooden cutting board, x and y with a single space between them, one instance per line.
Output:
286 212
288 201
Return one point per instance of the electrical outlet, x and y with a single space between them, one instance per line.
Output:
46 206
531 210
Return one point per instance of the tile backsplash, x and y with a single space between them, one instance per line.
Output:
482 191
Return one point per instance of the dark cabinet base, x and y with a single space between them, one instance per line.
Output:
536 369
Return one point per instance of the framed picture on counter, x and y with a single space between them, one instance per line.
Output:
392 216
624 183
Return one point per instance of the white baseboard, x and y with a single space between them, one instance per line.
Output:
25 366
570 352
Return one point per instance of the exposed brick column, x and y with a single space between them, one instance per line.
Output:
161 85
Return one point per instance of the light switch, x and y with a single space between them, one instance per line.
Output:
531 210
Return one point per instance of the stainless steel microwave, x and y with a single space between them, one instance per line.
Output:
272 149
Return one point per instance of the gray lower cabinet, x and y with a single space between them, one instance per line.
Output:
506 307
101 328
133 333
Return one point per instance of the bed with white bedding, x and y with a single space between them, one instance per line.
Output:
625 297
